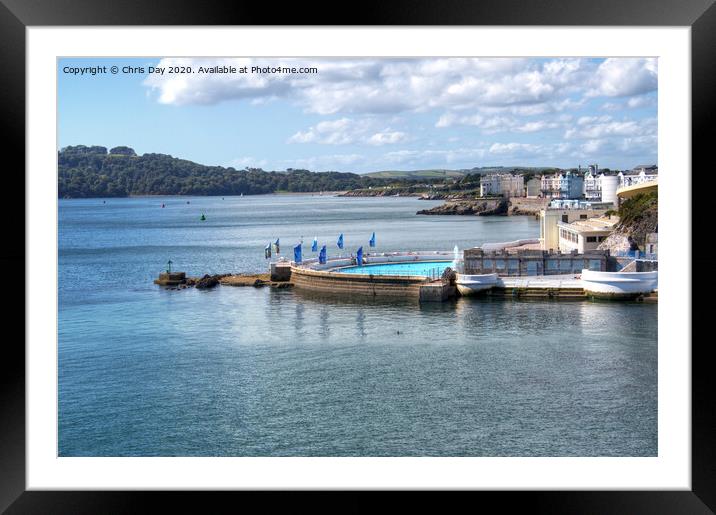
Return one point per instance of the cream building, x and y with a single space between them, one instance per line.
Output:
550 220
584 235
504 184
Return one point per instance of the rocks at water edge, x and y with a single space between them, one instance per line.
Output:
207 281
481 207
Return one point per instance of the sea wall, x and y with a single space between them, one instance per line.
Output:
373 285
527 206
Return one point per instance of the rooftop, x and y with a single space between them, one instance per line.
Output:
601 224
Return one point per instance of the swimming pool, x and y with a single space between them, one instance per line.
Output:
425 268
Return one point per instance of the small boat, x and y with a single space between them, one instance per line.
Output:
163 205
202 217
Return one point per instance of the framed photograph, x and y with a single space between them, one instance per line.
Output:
421 252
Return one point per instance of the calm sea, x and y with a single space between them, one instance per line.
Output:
233 371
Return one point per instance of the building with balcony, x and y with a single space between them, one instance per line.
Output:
566 185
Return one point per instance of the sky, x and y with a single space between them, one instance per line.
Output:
368 114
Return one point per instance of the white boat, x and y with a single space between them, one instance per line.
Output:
472 284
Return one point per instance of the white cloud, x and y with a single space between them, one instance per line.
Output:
515 149
247 162
387 138
346 131
332 132
621 77
381 85
359 100
604 126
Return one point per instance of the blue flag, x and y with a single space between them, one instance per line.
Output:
322 256
277 247
314 247
340 241
372 240
297 253
359 256
267 251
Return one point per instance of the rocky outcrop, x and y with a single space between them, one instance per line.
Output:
639 217
207 281
384 192
616 242
469 207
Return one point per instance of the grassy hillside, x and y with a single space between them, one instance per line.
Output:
444 173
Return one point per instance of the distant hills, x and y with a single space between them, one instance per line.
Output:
95 171
444 173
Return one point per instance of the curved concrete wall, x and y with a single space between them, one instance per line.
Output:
616 284
335 282
469 284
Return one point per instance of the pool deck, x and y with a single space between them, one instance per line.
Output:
540 281
560 287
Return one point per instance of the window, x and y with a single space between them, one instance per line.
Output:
582 217
565 218
591 239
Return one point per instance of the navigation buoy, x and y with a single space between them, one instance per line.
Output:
202 217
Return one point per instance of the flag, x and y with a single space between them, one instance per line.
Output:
322 256
277 247
267 251
297 253
359 256
340 241
314 247
372 240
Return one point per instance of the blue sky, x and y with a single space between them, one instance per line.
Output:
361 115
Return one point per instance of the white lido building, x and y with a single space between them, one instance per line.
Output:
504 184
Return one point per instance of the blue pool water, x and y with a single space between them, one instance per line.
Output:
426 268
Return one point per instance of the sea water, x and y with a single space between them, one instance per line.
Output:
242 371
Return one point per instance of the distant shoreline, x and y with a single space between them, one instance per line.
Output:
279 193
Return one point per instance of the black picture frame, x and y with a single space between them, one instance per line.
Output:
16 15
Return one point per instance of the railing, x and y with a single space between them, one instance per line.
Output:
637 254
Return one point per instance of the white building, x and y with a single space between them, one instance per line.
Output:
600 187
504 184
592 185
640 174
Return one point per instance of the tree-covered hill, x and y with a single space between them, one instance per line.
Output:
92 171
